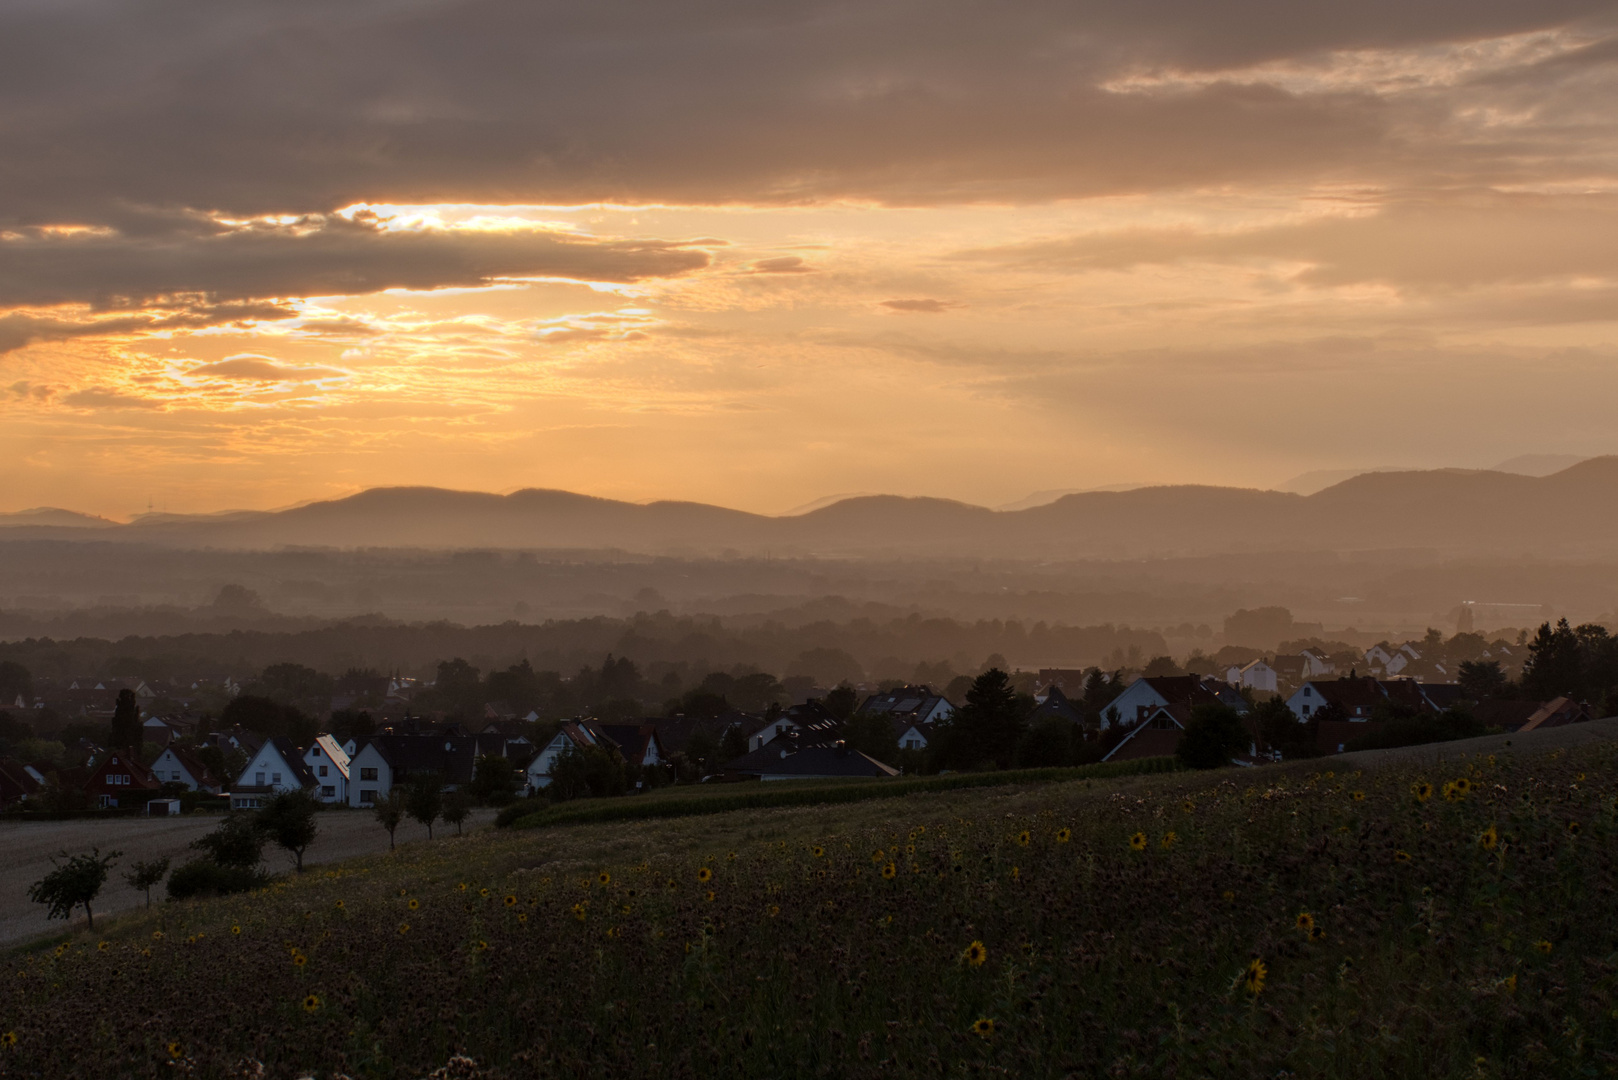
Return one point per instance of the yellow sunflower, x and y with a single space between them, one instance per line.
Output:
1358 796
704 874
1423 790
604 878
237 930
522 916
299 960
1188 806
818 851
311 1004
175 1050
890 871
1138 841
414 905
709 896
1401 856
1463 786
1304 921
102 946
1489 838
1253 977
484 893
975 954
511 900
579 911
1573 828
1169 840
8 1039
983 1028
1063 835
404 928
1024 839
1543 947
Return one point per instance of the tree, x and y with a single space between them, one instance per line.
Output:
1212 735
733 743
1481 680
457 804
389 811
872 734
289 820
988 726
458 684
1052 741
73 884
1281 729
143 875
424 800
494 781
269 717
126 729
15 682
1555 664
841 702
235 841
1161 666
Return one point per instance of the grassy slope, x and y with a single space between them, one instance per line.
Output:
799 957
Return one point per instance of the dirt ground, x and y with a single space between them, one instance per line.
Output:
26 849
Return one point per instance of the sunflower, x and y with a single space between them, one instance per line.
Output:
146 953
340 905
522 916
8 1039
1463 786
878 855
157 935
819 851
910 849
175 1050
463 886
1253 977
604 878
1304 921
1422 790
578 911
975 954
1024 839
709 896
1509 983
1573 828
775 909
1169 840
1401 855
414 904
481 945
236 929
1543 947
704 874
404 928
1489 838
1063 835
1188 806
311 1004
298 960
983 1027
1229 897
1138 841
103 946
1317 934
890 871
1358 796
1016 873
1451 792
510 900
484 892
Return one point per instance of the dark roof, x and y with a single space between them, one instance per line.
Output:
632 740
1356 696
1057 705
454 757
811 761
1196 690
906 700
294 758
1506 715
674 733
1442 695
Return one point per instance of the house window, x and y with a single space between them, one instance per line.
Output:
315 750
275 778
328 792
1308 692
258 778
367 795
368 774
323 770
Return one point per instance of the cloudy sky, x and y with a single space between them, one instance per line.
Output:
758 253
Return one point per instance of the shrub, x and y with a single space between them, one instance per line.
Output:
204 877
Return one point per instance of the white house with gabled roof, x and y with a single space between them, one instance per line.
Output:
329 763
277 767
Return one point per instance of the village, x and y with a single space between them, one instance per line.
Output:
139 747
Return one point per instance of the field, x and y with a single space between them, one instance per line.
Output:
1420 916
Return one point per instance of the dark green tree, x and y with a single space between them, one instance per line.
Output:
15 682
986 729
459 686
457 804
1555 664
842 701
1281 730
872 734
494 780
235 841
733 743
143 875
1482 680
72 884
424 799
1213 734
288 819
126 727
389 811
1050 742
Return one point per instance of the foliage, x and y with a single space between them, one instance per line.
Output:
390 812
235 842
1213 734
1418 729
204 877
15 681
1051 742
841 701
873 734
984 731
584 771
1579 662
424 799
269 717
288 819
126 727
1281 920
73 884
1281 729
733 743
457 804
1481 680
146 873
494 780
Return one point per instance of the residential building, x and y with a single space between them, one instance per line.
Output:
918 703
116 775
277 767
179 766
378 762
1054 704
328 761
1147 694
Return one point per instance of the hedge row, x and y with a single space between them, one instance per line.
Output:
759 796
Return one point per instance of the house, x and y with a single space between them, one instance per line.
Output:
1063 679
156 730
329 762
573 733
237 738
1357 697
637 743
918 703
771 730
810 763
17 782
177 766
1147 694
1257 675
1316 664
912 736
808 723
1156 735
277 767
378 762
119 774
1557 712
1055 705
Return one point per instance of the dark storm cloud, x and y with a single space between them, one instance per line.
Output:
301 106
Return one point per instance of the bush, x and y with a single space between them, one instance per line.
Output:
520 809
1213 734
204 877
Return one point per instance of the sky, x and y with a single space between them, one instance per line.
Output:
752 254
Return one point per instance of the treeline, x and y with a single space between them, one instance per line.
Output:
686 646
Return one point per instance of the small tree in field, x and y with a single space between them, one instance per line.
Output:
390 811
143 875
289 820
73 884
457 804
426 800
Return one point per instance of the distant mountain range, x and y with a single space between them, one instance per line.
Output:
1449 511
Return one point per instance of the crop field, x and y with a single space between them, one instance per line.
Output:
1420 918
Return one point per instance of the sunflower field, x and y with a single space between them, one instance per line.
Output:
1454 920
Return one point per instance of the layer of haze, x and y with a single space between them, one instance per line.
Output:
253 254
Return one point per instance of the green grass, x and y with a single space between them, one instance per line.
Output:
718 799
828 940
